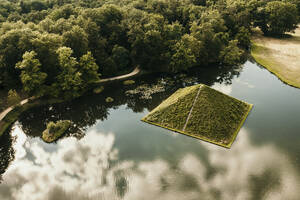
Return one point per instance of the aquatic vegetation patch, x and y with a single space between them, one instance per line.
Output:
201 112
109 100
98 90
146 91
128 82
55 130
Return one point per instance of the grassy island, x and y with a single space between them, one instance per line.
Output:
201 112
279 56
55 130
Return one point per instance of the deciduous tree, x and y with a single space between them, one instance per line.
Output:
31 76
69 80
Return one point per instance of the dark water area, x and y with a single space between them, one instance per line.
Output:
110 154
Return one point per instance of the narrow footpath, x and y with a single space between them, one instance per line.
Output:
125 76
5 112
133 73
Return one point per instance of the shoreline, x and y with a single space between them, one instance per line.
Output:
17 110
281 57
11 114
266 64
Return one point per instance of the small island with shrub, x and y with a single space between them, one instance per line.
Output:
55 130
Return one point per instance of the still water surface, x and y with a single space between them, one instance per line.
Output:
110 154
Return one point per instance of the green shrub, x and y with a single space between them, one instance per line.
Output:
13 97
55 130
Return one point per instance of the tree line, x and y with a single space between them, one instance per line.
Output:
59 48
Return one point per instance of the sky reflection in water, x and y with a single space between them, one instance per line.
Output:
90 169
123 158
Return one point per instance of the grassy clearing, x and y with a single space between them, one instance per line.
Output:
55 130
215 117
279 56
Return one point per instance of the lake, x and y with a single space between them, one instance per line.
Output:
110 154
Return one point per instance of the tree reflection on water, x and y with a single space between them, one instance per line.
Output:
85 111
7 152
123 158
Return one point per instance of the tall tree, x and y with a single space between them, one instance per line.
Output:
278 18
69 80
183 58
120 55
77 40
88 68
31 76
231 54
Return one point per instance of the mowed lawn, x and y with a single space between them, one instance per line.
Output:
280 56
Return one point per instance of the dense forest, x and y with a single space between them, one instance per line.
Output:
59 48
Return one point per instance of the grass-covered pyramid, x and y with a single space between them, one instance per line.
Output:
201 112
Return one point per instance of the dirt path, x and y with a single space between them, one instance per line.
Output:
5 112
280 56
133 73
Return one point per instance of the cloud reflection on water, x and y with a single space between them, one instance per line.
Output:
90 169
226 89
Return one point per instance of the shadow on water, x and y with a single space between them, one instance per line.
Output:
123 158
85 111
7 152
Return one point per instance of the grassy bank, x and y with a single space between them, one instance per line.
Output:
279 56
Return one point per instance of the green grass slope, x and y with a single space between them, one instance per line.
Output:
214 117
173 111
